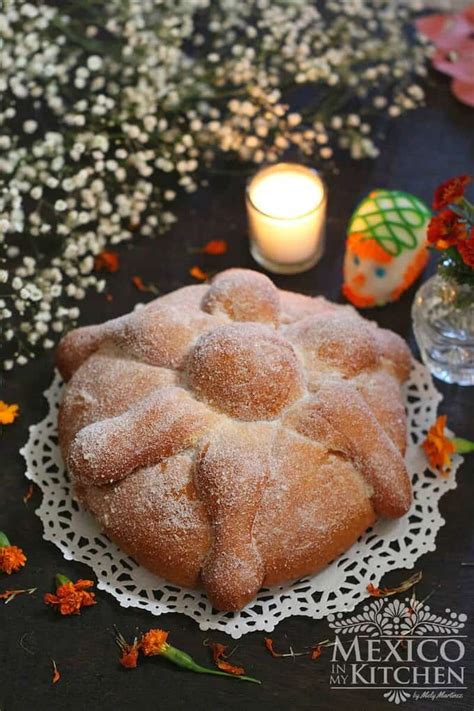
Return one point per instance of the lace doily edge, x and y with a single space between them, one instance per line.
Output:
260 623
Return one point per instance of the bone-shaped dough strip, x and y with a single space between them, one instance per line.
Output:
164 423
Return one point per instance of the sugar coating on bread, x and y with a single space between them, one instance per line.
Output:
233 435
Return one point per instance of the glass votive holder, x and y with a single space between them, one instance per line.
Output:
286 211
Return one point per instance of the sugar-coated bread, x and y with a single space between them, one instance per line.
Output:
235 435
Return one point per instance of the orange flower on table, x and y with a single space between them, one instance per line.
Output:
12 558
129 658
154 642
445 230
129 651
450 191
8 413
438 448
70 597
107 261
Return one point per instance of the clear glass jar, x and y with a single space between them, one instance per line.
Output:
443 321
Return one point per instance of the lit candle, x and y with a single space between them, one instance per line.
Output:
286 209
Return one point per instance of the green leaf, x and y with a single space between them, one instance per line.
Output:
61 580
183 660
462 446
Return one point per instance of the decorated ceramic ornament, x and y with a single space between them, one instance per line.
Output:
386 247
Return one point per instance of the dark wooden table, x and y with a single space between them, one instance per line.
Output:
420 150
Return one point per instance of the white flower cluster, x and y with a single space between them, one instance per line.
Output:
109 108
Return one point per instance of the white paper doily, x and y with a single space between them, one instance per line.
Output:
339 587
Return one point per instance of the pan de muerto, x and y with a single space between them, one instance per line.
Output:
234 435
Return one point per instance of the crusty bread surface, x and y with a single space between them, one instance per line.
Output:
234 435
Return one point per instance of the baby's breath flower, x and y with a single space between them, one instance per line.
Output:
151 101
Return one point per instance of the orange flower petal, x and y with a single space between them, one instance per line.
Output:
56 674
129 658
83 584
229 668
373 590
29 494
154 642
218 650
438 448
445 230
219 657
316 652
71 597
107 261
8 413
138 283
198 274
466 250
450 191
215 247
268 642
12 559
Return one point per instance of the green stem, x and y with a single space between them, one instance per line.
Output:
183 660
61 580
462 446
4 542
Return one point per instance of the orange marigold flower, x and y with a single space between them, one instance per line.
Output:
466 249
450 191
71 597
198 274
8 413
12 558
445 230
438 448
129 658
215 247
107 261
154 642
220 658
129 651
